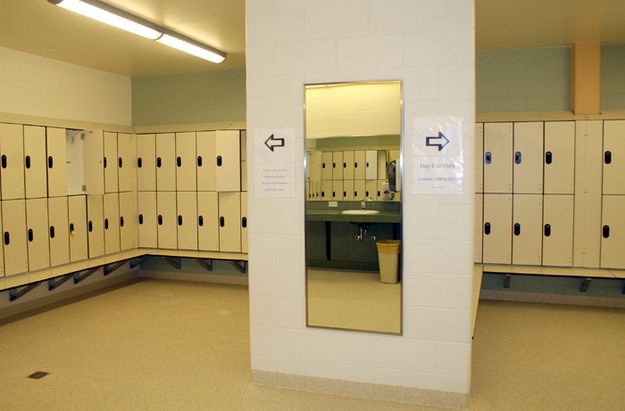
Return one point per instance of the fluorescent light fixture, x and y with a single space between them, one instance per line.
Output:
191 47
121 19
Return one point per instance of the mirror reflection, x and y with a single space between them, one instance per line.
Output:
353 206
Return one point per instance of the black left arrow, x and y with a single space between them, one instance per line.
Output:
273 142
439 141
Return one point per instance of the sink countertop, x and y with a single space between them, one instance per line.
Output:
337 215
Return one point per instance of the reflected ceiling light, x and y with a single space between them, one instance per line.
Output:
121 19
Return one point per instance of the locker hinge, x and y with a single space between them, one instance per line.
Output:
136 262
17 293
109 268
175 262
205 263
78 277
55 283
583 287
241 266
506 281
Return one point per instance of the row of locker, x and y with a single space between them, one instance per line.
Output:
192 161
534 229
350 165
348 190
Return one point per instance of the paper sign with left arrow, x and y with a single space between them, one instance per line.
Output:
274 163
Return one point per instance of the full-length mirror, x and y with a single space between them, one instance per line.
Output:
353 206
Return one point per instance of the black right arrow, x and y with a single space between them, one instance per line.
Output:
439 141
279 142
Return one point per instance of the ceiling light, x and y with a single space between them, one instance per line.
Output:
191 47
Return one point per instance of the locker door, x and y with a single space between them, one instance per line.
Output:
208 221
166 220
187 221
348 160
371 189
35 161
58 231
94 161
497 157
614 157
230 222
371 165
111 223
243 175
337 165
380 193
359 189
326 190
528 158
337 190
497 239
558 230
559 157
206 168
37 234
147 220
1 253
228 160
186 162
95 224
359 165
12 150
146 162
613 232
382 164
57 177
348 190
127 161
111 172
244 242
527 221
78 243
14 237
326 165
165 162
477 231
128 221
479 162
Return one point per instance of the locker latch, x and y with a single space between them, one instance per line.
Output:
244 222
607 157
488 157
219 161
548 157
487 228
547 230
222 221
517 157
200 221
517 229
606 231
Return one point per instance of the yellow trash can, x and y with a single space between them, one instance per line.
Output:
388 257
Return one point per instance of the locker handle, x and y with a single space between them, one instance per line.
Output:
367 164
27 161
244 222
547 230
179 161
120 162
51 231
607 157
355 164
179 220
606 231
200 221
333 165
334 194
222 221
140 218
344 193
106 223
105 162
488 157
323 194
50 162
378 193
517 229
90 226
158 162
367 193
31 235
355 193
160 220
487 228
323 165
344 165
548 157
518 157
199 161
4 161
121 221
71 228
219 161
7 238
139 162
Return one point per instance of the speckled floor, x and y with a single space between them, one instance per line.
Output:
163 345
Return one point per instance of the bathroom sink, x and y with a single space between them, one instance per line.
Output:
360 212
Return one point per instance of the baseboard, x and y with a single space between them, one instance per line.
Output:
545 298
404 395
195 277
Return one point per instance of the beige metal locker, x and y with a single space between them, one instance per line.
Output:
230 222
359 165
166 220
348 162
371 165
57 177
111 172
59 231
337 190
1 253
477 231
12 165
146 162
208 221
186 162
35 162
243 145
95 225
348 190
326 190
382 164
479 158
337 165
165 162
244 241
528 158
558 230
78 243
613 157
128 221
187 220
371 189
127 161
497 158
380 193
206 167
559 157
94 161
497 229
243 175
527 212
147 219
228 160
111 223
326 165
613 232
37 230
14 237
359 189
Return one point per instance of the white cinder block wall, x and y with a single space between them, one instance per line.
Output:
43 87
429 45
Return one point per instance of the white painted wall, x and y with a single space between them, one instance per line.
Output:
429 46
38 86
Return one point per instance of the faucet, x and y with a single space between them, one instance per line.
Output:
363 203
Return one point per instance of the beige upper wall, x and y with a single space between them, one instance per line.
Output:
38 86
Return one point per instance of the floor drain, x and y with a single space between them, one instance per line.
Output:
38 375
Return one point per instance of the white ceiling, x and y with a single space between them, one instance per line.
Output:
37 27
